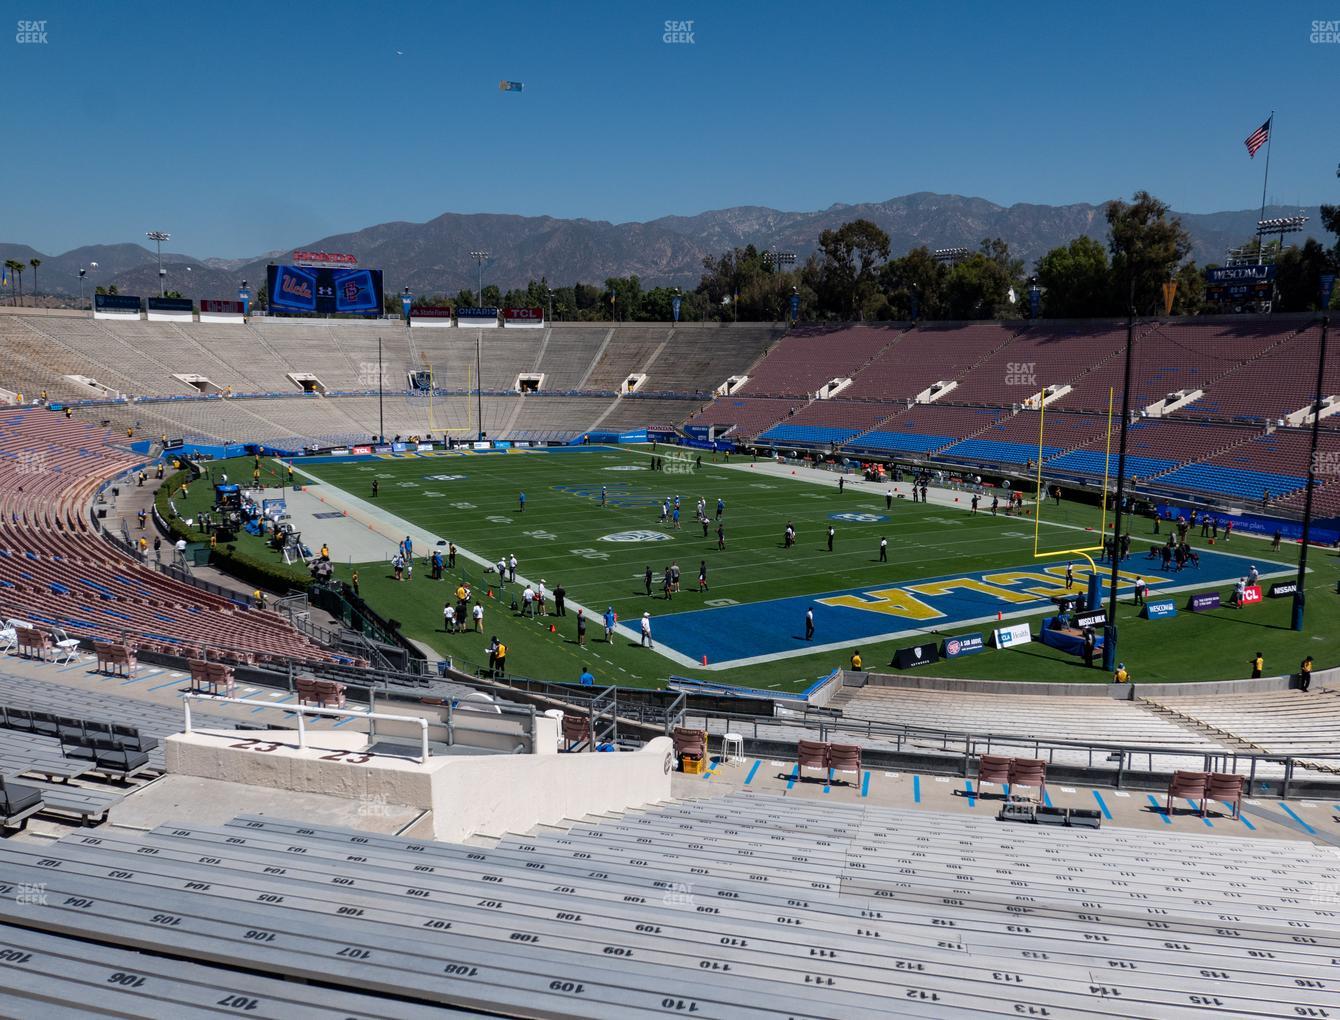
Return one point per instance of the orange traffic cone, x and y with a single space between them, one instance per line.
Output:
705 657
490 593
998 616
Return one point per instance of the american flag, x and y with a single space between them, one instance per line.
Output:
1258 138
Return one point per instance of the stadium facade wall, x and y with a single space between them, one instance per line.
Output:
487 794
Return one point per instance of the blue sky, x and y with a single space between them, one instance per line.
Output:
246 127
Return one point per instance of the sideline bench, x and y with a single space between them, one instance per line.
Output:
321 693
115 660
211 677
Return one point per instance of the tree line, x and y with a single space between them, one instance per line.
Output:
853 277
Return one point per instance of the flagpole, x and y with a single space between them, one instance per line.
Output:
1270 140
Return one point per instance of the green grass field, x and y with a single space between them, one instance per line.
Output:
472 500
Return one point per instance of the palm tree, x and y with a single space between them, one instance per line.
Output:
34 263
14 266
18 268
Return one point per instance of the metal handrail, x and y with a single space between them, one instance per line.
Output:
300 710
970 745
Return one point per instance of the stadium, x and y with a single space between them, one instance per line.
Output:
795 644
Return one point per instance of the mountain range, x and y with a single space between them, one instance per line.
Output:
433 257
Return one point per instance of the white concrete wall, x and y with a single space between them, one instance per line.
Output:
385 780
490 794
494 796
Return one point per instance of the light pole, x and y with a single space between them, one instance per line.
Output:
381 416
1110 628
1280 225
480 258
81 288
1299 596
159 236
775 259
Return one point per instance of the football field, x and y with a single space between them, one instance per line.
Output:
592 524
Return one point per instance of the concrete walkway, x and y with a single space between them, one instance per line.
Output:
1262 818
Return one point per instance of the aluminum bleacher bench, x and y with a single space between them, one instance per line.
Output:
106 756
64 799
18 803
57 977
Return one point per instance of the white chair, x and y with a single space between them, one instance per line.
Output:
732 748
9 637
67 648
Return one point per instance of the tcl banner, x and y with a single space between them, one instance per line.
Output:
324 259
523 317
1250 594
222 307
220 311
477 318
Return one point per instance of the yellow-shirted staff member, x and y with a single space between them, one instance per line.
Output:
1121 676
856 660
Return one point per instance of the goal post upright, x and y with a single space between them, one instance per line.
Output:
1040 497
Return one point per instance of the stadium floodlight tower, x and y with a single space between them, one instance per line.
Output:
775 259
82 273
951 256
1279 225
159 236
480 258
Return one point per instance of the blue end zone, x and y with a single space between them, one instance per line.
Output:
737 635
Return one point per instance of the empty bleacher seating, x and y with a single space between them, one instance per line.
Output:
610 918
